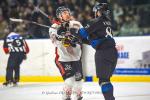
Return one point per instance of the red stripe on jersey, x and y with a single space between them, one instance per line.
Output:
6 50
56 22
56 53
58 63
26 47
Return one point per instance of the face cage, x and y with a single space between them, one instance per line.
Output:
65 9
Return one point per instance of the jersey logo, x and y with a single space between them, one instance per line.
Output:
108 32
68 67
87 26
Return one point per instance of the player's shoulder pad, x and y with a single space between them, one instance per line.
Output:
55 25
53 29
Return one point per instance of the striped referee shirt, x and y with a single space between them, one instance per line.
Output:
15 43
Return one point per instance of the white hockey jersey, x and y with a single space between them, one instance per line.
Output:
62 51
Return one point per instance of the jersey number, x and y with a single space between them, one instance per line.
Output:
17 43
109 32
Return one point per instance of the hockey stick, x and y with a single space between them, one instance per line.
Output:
52 19
27 21
73 38
43 13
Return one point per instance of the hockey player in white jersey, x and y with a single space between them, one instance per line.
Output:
68 52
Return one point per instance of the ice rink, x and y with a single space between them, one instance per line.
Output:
91 91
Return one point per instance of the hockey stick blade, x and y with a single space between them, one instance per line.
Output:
15 20
32 22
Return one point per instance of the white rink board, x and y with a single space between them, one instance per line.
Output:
40 60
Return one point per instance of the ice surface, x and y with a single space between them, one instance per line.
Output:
91 91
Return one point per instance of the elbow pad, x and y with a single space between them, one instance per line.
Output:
83 33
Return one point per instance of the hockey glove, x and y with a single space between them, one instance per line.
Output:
66 42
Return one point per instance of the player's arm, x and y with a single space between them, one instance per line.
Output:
79 32
96 27
55 38
83 35
53 33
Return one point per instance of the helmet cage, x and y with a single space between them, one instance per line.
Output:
62 9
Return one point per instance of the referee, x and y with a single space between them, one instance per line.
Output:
17 48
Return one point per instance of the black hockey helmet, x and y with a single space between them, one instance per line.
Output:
102 7
61 9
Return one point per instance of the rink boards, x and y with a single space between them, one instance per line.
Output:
115 78
133 62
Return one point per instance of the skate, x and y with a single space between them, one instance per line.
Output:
68 99
80 98
15 83
7 83
77 98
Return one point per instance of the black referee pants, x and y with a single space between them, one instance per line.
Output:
13 66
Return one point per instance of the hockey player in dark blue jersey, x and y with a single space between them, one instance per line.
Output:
17 48
98 33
